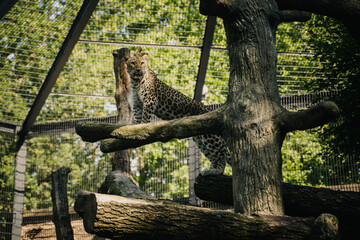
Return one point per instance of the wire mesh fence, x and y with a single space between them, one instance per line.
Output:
161 169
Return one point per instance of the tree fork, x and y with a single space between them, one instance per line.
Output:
121 136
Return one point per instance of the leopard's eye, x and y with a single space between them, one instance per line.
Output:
142 63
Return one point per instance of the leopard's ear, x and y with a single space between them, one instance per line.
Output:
126 57
138 50
145 56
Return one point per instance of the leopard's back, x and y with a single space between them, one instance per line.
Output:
172 104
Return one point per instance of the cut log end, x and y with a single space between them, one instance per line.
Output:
326 226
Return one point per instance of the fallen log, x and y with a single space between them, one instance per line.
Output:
300 201
118 217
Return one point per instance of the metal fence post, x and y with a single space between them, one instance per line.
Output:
19 191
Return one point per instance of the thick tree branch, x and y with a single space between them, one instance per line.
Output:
294 16
347 11
219 8
61 216
95 131
137 135
122 184
121 159
318 115
340 9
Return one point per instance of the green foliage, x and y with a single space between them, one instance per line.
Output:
45 154
294 65
162 170
27 50
339 55
302 159
337 58
7 160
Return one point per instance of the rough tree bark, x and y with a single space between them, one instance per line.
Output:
299 201
121 159
61 216
117 217
255 122
252 121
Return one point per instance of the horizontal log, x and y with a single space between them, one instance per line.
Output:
118 217
120 137
300 201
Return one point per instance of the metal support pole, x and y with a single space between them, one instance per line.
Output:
19 190
75 31
205 54
5 6
194 152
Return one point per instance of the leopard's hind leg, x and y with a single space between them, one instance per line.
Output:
214 149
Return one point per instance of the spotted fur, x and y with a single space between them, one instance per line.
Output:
152 96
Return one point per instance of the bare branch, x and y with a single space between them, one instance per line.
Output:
137 135
318 115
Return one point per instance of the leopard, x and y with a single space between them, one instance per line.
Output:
153 97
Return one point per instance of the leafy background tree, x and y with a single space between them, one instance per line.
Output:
339 56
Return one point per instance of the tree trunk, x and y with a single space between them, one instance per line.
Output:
255 123
124 218
253 137
299 201
121 159
61 216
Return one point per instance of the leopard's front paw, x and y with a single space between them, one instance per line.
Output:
212 171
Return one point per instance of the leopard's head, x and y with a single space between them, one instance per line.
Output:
137 65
